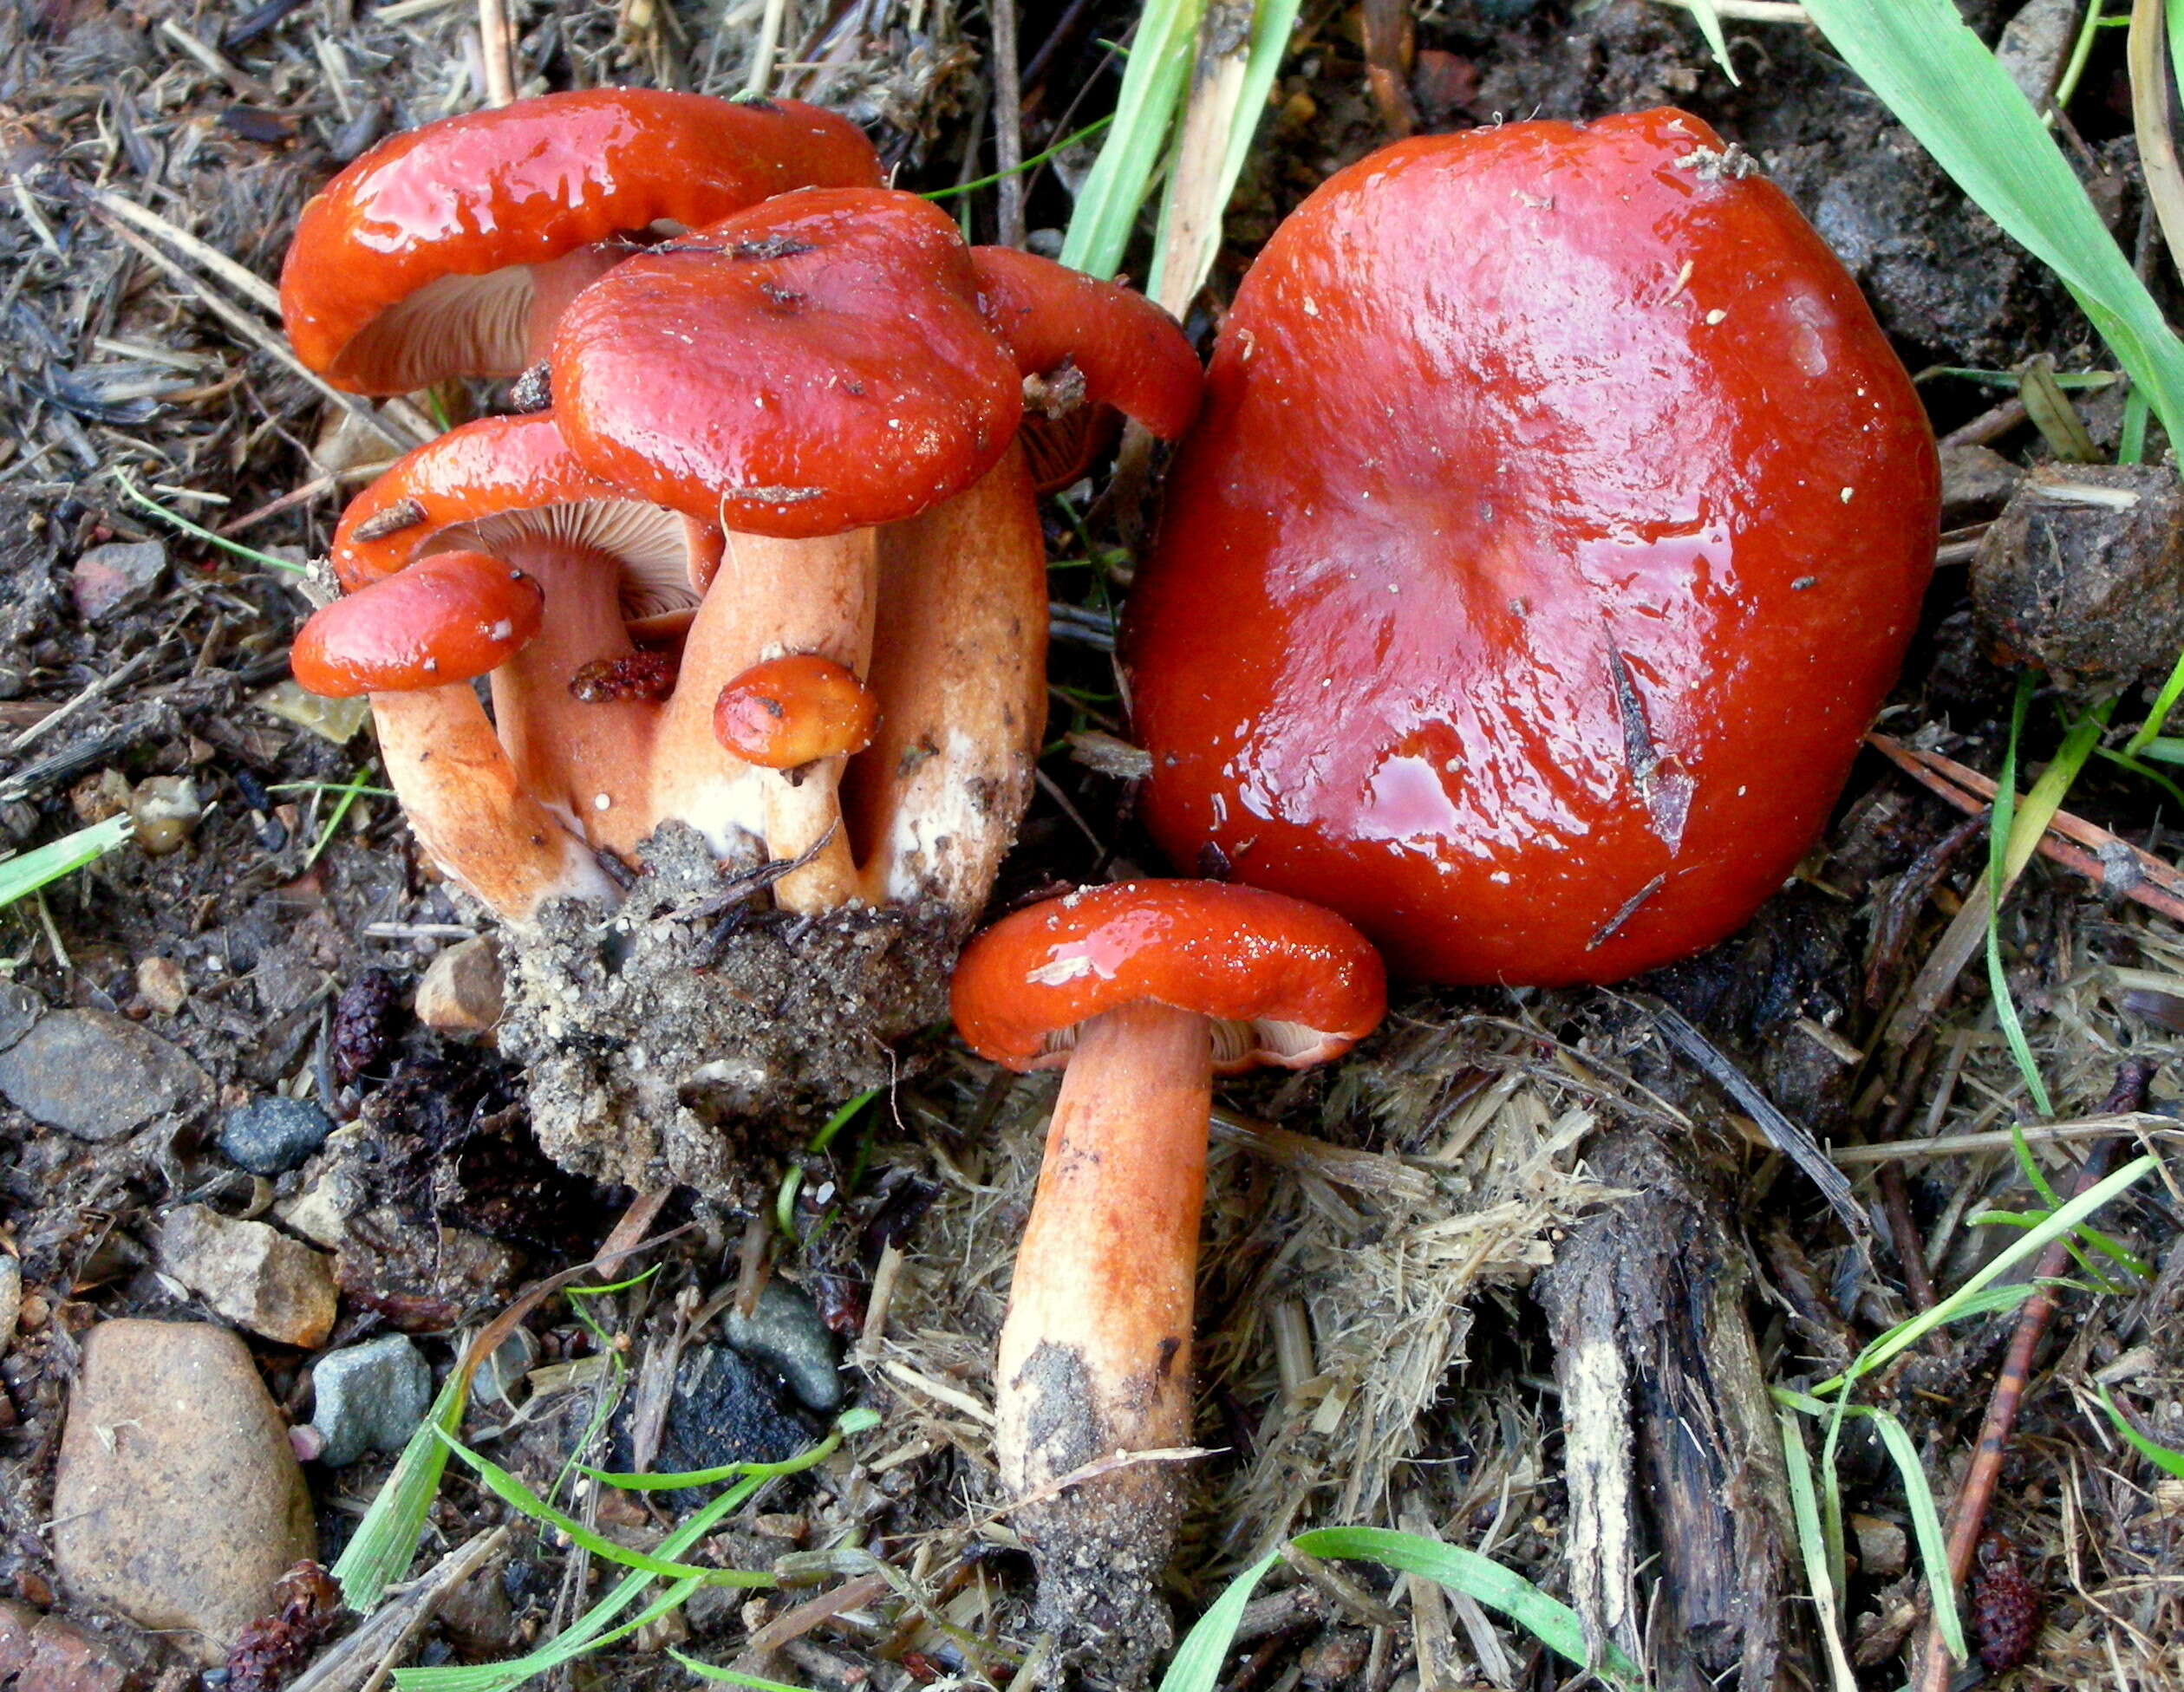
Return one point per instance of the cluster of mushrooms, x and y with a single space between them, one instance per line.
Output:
1556 520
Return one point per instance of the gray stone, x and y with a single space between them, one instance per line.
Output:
784 1331
271 1136
177 1501
255 1276
368 1397
92 1075
119 577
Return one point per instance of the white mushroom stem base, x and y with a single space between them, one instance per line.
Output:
1095 1355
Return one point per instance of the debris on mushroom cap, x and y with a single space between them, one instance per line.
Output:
1564 515
503 482
421 260
1290 983
451 617
814 365
795 710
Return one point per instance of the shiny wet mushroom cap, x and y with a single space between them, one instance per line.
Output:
452 249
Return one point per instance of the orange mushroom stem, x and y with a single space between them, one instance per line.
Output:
1144 992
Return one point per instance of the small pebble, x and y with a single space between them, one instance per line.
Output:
167 810
464 991
91 1074
273 1134
164 984
784 1330
368 1397
177 1501
725 1410
109 580
254 1275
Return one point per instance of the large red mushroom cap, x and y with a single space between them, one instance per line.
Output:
421 260
1557 522
1287 983
814 365
451 617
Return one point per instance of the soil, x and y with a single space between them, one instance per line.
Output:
1396 1212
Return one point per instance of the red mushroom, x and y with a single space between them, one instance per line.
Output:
1557 523
1144 991
413 642
817 375
451 249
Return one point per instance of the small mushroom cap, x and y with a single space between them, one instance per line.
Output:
502 480
1131 353
1288 984
448 618
413 264
789 712
1557 520
814 365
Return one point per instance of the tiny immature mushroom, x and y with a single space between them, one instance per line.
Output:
1142 991
790 712
451 249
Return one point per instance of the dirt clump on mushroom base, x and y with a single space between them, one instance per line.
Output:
1104 1552
666 1040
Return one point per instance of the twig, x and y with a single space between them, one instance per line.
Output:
498 52
1918 1149
1970 1516
1970 792
97 690
769 44
1386 26
1008 125
1895 1200
365 1656
247 282
257 335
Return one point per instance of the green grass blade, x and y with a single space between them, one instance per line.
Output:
23 875
505 1487
730 1677
1553 1624
1968 1299
174 519
1926 1526
1950 92
1195 1666
2168 1462
385 1543
589 1632
1152 86
2164 702
1271 23
859 1421
2001 828
1804 1512
566 1648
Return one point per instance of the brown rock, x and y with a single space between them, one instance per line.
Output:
254 1275
108 580
163 984
67 1659
464 991
177 1501
2082 574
